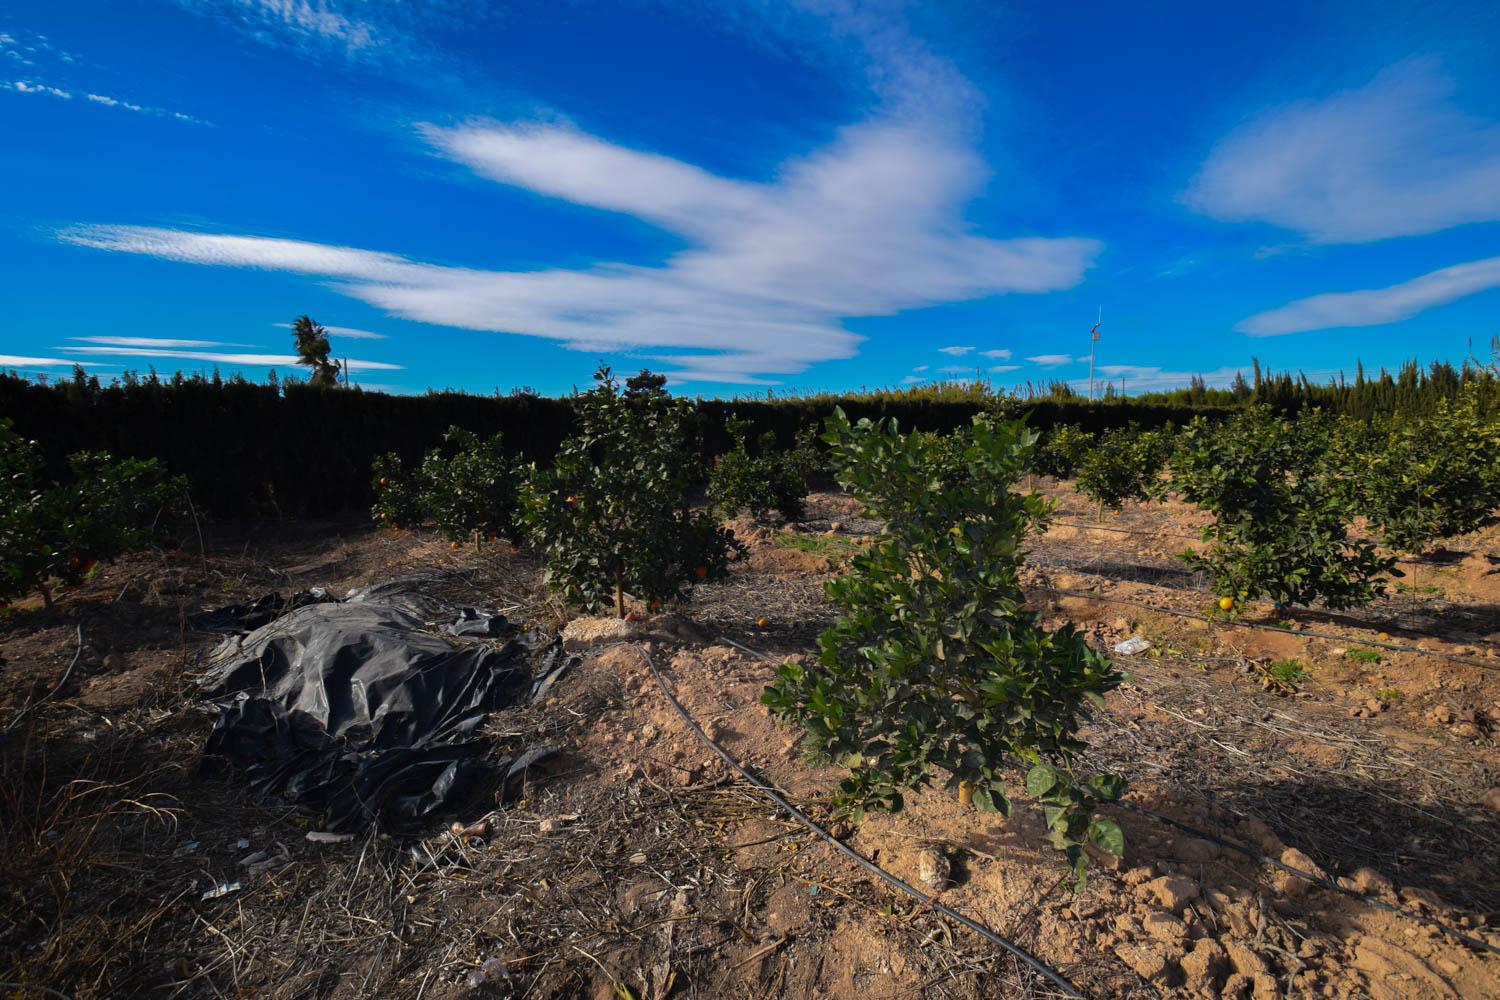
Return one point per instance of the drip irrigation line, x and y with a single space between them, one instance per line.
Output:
1036 964
1321 881
1393 646
1257 855
1124 531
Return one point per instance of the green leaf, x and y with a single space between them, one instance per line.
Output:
1106 835
1040 780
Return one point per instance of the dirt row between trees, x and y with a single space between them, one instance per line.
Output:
638 865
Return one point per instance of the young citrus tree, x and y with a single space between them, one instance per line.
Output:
1060 450
398 493
1281 513
474 490
612 515
1421 480
767 481
61 530
1126 463
311 341
935 661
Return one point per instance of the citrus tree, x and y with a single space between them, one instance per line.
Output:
1281 512
1423 479
398 493
472 489
934 662
1059 451
612 515
1125 463
769 480
60 530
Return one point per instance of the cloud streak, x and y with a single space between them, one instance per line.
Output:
223 358
1375 306
1395 157
869 226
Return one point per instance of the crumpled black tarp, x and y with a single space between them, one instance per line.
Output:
351 710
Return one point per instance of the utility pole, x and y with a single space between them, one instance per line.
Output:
1093 342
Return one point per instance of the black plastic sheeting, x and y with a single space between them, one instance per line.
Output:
353 711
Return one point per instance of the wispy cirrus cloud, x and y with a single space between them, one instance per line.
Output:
866 227
347 332
1395 157
150 342
300 23
1002 354
21 361
1002 369
1050 360
222 357
955 351
1374 306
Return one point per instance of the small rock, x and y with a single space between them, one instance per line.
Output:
586 633
1148 961
1165 928
1136 876
1202 966
1375 706
1246 962
1491 800
1294 885
1441 715
1265 988
649 732
550 825
1172 891
1370 882
933 869
1236 987
1466 731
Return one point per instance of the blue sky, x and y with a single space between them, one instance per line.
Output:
816 195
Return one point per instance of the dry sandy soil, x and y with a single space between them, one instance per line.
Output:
639 866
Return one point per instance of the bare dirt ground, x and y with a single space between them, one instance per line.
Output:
639 866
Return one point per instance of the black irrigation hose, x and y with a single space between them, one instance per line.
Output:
1317 880
1124 531
1016 950
1393 646
1257 855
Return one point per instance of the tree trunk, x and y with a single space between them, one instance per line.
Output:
46 597
619 594
965 793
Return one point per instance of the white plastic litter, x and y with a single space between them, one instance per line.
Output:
1130 647
324 837
222 889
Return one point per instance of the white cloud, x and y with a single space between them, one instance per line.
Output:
955 351
1050 360
1374 306
956 370
1002 369
348 332
1395 157
32 87
148 342
1000 355
868 226
253 360
912 380
20 361
921 368
303 22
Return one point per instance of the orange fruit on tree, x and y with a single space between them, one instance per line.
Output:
384 481
1226 603
701 572
384 516
656 604
762 623
573 501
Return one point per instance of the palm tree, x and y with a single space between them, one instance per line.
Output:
312 350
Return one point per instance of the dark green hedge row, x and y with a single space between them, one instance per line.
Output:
253 449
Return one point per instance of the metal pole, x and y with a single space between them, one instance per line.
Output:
1093 342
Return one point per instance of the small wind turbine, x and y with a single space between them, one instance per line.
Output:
1093 342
